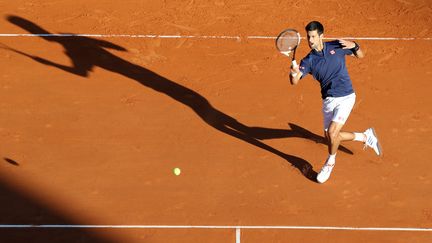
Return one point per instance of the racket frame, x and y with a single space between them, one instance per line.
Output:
288 53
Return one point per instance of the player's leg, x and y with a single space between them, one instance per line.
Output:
336 112
340 115
335 137
368 137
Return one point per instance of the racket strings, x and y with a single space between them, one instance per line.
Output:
288 40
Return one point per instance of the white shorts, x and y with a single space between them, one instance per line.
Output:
337 109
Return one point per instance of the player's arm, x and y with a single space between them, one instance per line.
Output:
295 74
353 46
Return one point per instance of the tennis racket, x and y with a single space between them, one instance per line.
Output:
287 42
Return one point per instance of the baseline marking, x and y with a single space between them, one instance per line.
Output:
205 37
237 228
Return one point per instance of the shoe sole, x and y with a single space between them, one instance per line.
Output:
378 142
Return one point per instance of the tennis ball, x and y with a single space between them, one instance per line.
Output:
176 171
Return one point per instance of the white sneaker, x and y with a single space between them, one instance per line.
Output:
325 172
372 141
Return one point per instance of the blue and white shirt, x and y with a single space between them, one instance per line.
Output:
328 67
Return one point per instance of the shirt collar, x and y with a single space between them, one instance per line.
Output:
322 52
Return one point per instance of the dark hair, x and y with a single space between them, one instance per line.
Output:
315 25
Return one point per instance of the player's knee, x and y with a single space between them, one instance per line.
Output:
333 135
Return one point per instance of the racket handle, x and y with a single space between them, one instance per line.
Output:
294 63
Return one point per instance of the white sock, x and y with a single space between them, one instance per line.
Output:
359 137
331 159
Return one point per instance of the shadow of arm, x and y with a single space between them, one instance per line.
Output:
74 70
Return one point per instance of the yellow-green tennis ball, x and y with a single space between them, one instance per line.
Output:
176 171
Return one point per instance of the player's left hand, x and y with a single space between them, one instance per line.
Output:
346 44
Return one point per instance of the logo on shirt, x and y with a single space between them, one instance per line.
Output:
332 52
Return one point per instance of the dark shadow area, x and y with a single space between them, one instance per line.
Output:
301 132
12 162
17 207
86 53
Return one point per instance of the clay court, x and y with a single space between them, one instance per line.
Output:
93 124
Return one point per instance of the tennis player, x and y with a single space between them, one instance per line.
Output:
326 63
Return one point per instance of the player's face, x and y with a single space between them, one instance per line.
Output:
314 39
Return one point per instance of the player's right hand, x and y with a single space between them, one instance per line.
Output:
295 69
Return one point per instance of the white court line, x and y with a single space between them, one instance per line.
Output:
237 228
204 37
238 235
125 36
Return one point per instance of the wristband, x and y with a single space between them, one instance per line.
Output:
355 48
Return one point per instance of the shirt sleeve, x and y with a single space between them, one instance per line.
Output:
305 66
348 52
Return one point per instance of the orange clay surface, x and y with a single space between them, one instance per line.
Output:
91 128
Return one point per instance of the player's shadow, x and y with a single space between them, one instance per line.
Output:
87 53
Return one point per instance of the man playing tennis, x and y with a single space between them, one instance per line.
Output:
326 63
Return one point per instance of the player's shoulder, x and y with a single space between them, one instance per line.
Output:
309 55
307 60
